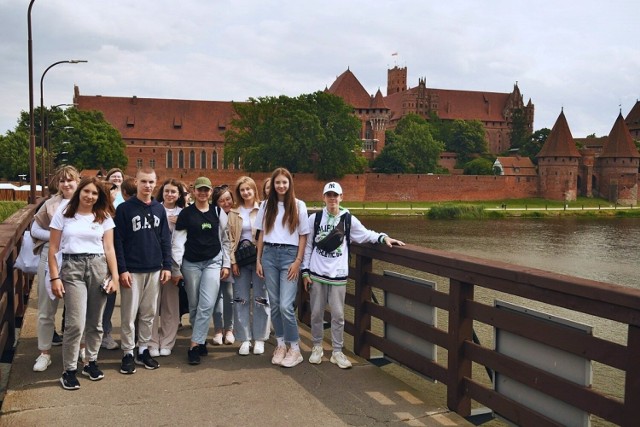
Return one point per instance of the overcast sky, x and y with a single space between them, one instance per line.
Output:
583 56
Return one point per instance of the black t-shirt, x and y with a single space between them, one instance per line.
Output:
203 240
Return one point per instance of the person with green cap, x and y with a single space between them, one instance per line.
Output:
201 249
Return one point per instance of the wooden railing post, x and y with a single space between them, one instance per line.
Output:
361 319
460 330
632 378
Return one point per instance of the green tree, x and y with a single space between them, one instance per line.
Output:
479 166
393 158
80 138
534 144
411 146
423 150
519 135
467 139
311 133
92 142
14 154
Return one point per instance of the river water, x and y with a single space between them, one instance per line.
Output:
602 249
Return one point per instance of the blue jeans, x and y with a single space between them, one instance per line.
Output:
282 292
245 329
202 283
223 311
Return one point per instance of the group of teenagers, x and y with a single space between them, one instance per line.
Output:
97 237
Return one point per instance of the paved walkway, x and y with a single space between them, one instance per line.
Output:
225 389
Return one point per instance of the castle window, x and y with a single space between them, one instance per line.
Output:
192 159
180 159
214 160
169 159
152 163
138 163
203 159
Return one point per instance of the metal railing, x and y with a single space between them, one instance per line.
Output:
467 278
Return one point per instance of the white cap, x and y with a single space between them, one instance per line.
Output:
332 186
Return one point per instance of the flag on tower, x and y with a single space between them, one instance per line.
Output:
394 54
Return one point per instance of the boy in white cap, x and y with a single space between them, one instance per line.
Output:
326 266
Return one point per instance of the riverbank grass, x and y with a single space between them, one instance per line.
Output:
9 208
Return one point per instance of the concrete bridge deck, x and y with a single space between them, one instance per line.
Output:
225 389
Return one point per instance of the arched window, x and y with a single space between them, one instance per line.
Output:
180 159
169 159
192 159
203 159
214 160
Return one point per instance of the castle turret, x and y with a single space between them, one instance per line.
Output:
558 163
617 166
396 80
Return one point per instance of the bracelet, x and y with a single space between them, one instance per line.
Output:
55 278
298 259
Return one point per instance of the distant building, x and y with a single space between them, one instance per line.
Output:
609 171
494 110
515 166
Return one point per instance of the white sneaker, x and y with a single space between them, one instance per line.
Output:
108 342
154 352
42 362
165 352
338 358
245 348
292 359
279 355
316 355
217 339
258 347
229 338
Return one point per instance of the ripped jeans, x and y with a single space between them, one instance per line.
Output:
243 303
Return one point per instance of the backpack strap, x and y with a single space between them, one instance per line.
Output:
316 228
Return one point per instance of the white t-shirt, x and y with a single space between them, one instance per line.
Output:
80 234
245 214
279 233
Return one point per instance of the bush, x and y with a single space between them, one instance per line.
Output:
456 212
9 208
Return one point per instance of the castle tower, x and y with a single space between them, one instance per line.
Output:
558 164
396 80
617 166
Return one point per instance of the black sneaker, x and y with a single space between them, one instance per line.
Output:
202 349
69 380
128 367
91 370
194 355
57 339
146 360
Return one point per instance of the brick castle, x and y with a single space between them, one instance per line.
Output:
185 139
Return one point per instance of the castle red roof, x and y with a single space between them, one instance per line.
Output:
633 118
349 88
559 143
378 101
162 119
456 104
620 143
518 166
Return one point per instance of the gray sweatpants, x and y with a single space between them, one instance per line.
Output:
82 279
320 296
141 300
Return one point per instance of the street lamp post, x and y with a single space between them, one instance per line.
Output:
42 124
32 132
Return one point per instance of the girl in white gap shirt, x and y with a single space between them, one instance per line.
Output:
284 227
